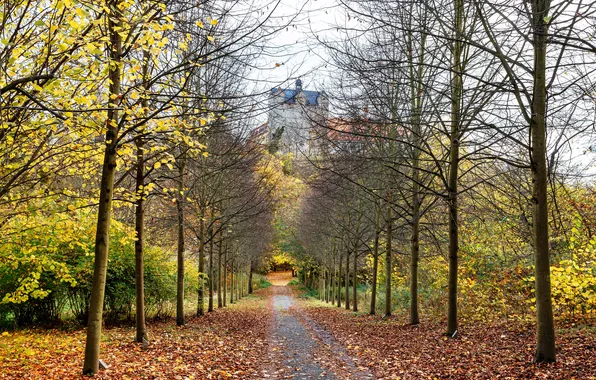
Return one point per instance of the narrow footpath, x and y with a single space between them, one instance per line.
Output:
298 347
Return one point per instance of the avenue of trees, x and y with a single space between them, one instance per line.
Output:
455 176
451 182
127 183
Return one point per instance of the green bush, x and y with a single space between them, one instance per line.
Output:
260 282
54 282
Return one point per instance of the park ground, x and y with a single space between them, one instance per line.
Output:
277 333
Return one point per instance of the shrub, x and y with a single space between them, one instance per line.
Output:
57 277
260 282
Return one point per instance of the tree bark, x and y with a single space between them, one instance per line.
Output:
219 280
327 284
225 278
210 279
241 281
232 282
454 143
180 250
102 237
545 336
250 289
373 297
355 280
141 331
237 284
416 74
347 279
339 280
332 283
388 265
201 288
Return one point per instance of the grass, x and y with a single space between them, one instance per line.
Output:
263 283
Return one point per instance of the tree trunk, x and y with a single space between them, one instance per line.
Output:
339 279
347 281
236 275
373 297
139 274
456 94
236 282
201 288
219 282
224 297
327 284
180 251
250 289
416 75
320 285
210 279
545 336
355 280
414 259
232 282
323 282
104 213
139 220
388 265
242 280
415 253
330 283
245 283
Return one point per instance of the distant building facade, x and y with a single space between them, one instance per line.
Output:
298 122
293 115
260 135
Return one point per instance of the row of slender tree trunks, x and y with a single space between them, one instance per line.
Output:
332 276
224 279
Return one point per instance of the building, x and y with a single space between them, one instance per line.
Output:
260 135
298 122
293 114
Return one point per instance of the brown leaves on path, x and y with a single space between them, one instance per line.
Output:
393 350
228 343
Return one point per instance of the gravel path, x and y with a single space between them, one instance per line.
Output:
300 348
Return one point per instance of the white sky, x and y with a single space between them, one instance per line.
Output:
300 55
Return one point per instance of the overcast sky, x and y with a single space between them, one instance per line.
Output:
298 53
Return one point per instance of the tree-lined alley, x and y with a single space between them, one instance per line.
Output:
438 186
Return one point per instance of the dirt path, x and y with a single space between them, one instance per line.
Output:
298 347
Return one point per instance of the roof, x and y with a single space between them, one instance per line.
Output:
341 130
345 130
312 97
259 130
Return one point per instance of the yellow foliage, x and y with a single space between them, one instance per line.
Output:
573 282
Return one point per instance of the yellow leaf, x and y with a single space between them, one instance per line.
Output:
210 38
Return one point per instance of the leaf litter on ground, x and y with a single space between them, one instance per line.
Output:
227 343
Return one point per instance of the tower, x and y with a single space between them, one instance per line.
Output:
298 111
